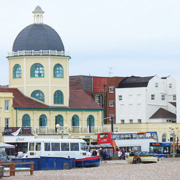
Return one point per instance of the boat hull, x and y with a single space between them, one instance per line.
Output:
93 161
144 159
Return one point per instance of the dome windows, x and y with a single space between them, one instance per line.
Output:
58 71
39 95
17 71
37 70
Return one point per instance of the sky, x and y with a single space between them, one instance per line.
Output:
104 37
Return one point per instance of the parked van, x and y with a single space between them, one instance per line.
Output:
3 156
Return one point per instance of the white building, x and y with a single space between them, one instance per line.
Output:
146 99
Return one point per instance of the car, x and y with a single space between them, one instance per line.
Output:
141 157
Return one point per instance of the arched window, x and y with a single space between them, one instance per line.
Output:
90 120
60 121
58 71
171 137
39 95
17 71
37 70
26 121
164 138
75 121
42 120
58 97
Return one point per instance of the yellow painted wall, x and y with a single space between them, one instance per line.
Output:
6 114
67 115
48 84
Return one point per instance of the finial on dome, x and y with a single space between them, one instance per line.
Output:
38 15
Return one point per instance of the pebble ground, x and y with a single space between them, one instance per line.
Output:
168 169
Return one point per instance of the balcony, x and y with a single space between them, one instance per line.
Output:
53 130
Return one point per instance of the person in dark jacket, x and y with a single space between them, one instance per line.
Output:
94 153
104 155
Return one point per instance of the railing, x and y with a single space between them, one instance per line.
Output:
12 167
54 130
35 53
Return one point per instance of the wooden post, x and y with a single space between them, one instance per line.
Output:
11 169
31 168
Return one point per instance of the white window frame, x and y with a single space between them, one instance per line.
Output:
111 89
163 97
122 121
156 84
111 103
97 99
174 97
131 121
6 105
152 96
7 121
170 85
120 97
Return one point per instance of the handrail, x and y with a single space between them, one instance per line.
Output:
35 53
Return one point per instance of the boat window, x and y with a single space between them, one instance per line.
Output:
74 146
46 146
31 146
84 147
38 146
55 146
64 146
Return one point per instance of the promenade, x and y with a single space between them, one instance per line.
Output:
168 169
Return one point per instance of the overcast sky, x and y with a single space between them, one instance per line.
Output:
130 37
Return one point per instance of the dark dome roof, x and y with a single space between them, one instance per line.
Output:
38 37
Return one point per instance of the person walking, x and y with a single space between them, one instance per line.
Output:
101 154
104 155
119 154
94 153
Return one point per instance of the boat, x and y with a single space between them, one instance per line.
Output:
142 157
59 154
93 161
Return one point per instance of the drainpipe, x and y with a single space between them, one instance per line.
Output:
16 118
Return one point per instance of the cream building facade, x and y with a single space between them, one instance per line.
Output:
38 97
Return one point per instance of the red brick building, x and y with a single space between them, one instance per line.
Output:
102 89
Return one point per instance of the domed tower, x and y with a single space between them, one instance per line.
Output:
39 65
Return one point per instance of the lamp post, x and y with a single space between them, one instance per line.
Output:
112 121
173 144
89 125
173 133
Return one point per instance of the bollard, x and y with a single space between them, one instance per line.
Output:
31 168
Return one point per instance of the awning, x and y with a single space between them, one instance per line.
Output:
3 145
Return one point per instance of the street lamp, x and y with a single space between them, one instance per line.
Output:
112 121
173 132
58 127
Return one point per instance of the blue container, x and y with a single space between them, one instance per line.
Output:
56 163
35 160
